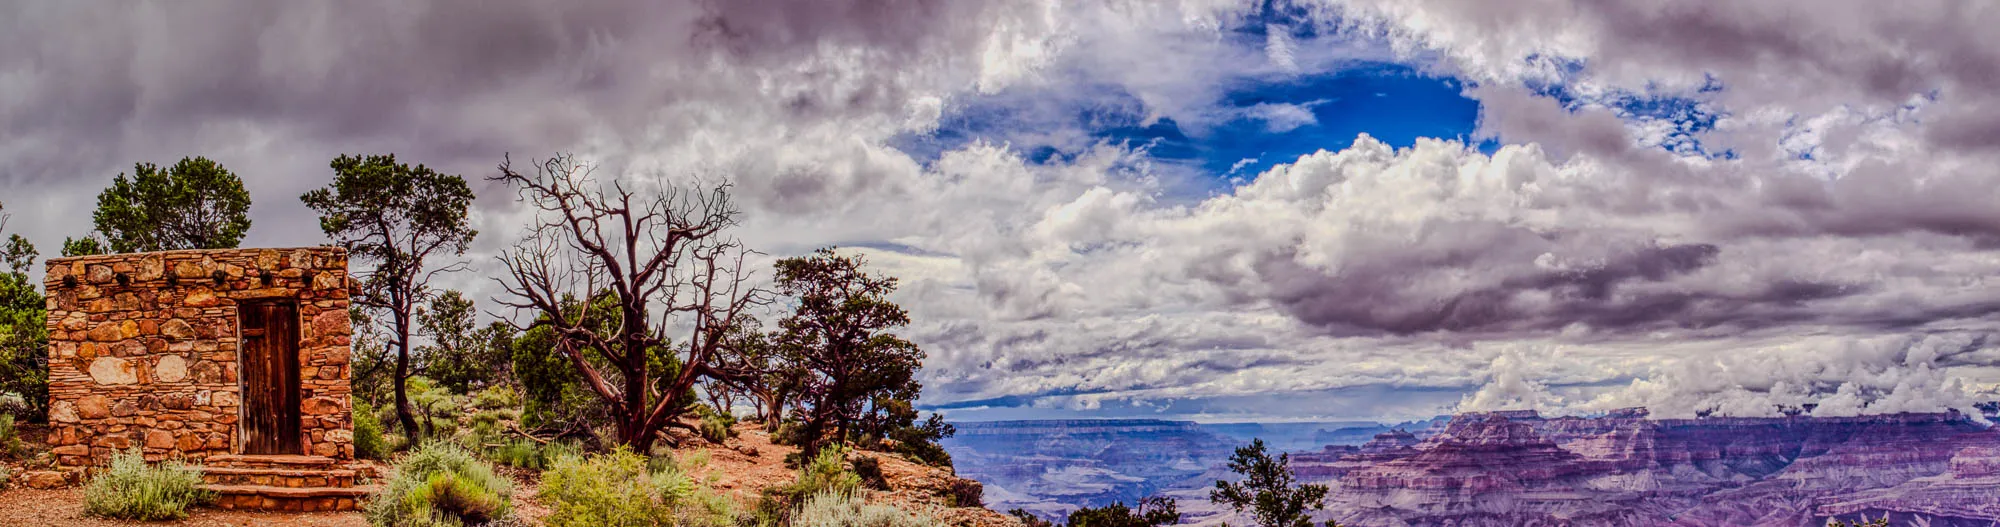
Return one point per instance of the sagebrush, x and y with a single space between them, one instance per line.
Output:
620 489
441 484
833 509
129 489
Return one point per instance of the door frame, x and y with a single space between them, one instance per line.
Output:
242 441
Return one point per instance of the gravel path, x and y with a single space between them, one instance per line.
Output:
64 507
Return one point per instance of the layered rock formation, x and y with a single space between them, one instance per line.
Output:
1517 468
1053 467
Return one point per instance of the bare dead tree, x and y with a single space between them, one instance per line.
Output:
665 257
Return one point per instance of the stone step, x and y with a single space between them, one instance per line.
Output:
269 461
278 477
290 499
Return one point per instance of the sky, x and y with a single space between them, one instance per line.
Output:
1196 209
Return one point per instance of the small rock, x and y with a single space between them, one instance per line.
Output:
45 479
747 450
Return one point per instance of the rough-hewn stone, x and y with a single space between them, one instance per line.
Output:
177 329
112 370
170 368
149 359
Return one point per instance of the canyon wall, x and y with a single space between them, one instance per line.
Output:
1520 469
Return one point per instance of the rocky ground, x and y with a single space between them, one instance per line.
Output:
740 469
20 506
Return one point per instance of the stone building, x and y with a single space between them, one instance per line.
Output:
234 358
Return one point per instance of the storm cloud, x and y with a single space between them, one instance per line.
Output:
1654 193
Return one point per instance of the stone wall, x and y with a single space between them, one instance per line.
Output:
143 350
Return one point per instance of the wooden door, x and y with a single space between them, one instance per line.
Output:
270 377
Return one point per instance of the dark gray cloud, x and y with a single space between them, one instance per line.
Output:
1856 205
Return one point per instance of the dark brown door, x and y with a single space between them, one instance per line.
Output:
270 341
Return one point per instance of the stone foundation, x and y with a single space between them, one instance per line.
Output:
143 350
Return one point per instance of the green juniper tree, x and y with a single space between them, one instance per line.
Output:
400 220
462 356
24 335
194 204
857 375
1269 491
88 245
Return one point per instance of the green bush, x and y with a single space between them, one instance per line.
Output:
368 441
496 398
131 490
441 484
869 470
619 489
526 454
833 509
826 473
10 440
965 493
716 428
788 432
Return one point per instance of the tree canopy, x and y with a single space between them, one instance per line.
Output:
839 335
24 333
1268 490
194 204
398 219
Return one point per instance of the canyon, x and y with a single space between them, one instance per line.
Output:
1520 468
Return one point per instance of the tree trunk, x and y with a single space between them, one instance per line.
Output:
403 414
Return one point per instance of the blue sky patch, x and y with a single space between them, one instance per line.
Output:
1257 125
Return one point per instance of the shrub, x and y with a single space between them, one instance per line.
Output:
716 429
919 441
368 441
788 432
4 476
131 490
826 473
10 440
928 453
530 455
1152 512
963 492
833 509
869 470
1028 519
441 484
619 489
496 398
